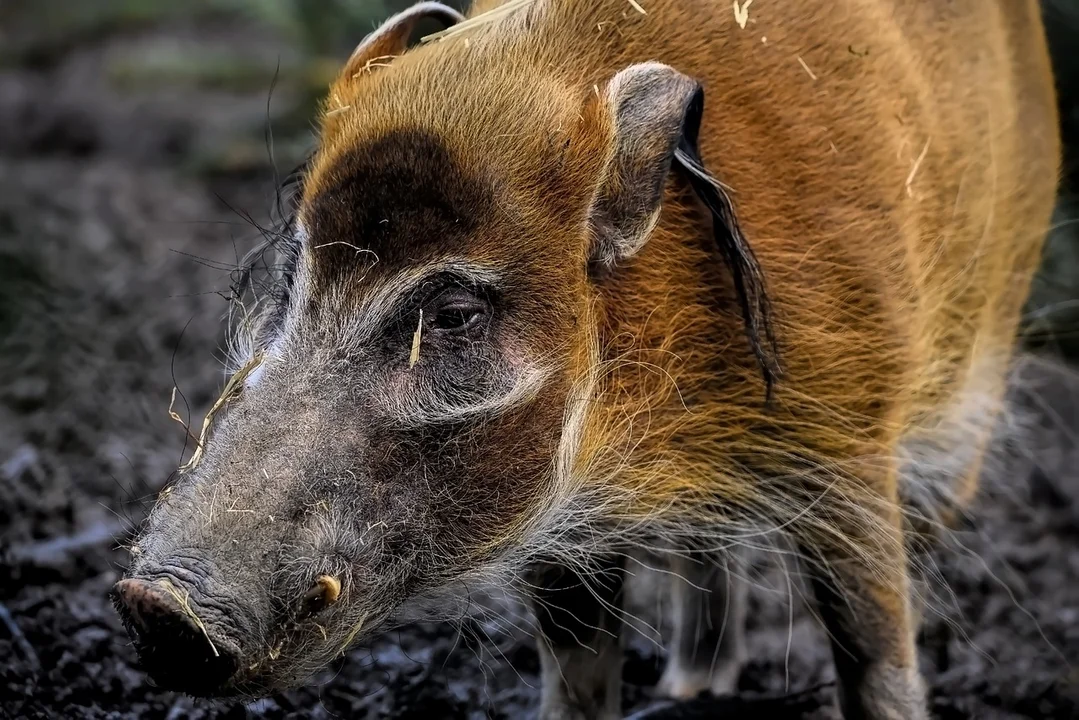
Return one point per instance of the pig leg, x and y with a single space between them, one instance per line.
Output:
579 646
862 591
708 606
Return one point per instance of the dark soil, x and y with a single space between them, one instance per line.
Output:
117 235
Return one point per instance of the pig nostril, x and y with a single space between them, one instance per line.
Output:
145 604
325 592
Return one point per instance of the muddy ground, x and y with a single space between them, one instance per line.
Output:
128 174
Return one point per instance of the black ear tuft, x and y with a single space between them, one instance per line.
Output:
749 284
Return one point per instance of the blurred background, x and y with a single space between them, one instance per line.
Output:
141 142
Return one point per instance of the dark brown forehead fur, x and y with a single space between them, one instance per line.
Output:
404 200
422 165
395 200
513 129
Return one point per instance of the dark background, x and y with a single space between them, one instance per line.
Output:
134 170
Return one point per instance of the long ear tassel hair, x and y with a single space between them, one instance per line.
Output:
749 284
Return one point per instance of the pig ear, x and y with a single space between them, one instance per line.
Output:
657 117
648 104
392 38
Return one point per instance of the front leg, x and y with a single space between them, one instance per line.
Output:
579 642
862 589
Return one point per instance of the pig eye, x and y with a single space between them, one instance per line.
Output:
456 311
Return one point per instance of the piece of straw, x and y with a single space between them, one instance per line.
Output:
176 416
806 68
482 19
417 337
352 635
914 170
232 389
741 13
185 606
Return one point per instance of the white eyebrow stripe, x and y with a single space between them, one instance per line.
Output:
374 311
416 410
379 306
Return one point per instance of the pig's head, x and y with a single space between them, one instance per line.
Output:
406 417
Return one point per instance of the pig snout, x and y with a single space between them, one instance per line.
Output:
177 647
197 633
188 636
